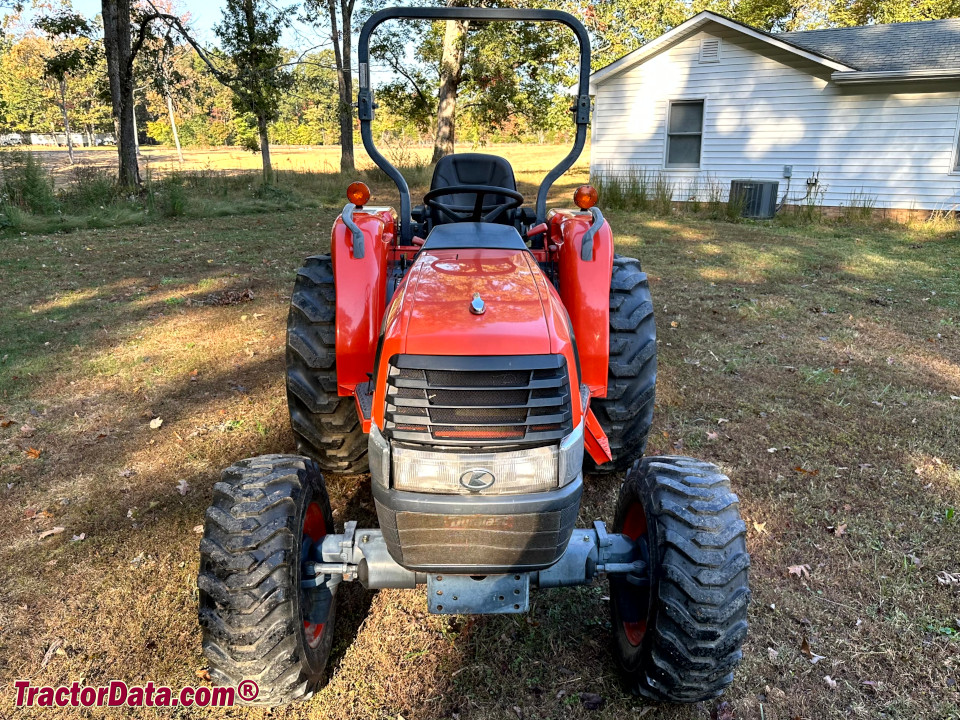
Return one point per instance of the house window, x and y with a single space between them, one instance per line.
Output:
709 50
684 133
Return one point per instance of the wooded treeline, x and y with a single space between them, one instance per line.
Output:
137 71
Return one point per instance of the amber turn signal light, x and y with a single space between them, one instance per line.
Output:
585 197
358 193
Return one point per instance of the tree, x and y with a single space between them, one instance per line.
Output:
487 78
340 21
451 72
864 12
250 32
120 54
72 52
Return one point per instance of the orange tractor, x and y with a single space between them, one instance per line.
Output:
477 357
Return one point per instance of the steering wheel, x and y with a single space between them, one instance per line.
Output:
460 213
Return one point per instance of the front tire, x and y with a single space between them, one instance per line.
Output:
324 423
258 622
677 633
626 413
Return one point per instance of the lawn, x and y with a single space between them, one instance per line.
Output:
819 367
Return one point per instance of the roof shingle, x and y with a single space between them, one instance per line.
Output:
926 45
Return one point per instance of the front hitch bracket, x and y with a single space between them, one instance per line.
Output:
362 555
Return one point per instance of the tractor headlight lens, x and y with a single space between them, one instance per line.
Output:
571 456
378 450
500 473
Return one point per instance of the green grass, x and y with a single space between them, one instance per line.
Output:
816 365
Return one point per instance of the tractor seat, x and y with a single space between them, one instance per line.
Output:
473 169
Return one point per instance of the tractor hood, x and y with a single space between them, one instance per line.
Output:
442 315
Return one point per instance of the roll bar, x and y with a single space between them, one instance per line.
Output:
365 104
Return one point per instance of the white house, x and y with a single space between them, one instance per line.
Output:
865 115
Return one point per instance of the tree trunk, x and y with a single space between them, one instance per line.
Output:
66 118
451 70
136 130
116 43
341 50
173 127
265 150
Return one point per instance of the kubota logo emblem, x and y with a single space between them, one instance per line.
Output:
477 479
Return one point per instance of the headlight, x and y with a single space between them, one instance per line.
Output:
378 450
501 473
571 455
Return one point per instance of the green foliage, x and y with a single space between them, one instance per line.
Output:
26 183
250 33
244 132
73 50
91 188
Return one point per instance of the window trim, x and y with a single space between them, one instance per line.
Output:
666 132
955 156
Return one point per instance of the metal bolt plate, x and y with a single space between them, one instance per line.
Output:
489 594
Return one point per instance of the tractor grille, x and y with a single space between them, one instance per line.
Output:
515 400
477 543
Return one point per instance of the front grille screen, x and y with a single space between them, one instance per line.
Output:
470 400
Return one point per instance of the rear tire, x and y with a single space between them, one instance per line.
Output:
626 413
677 634
326 425
258 623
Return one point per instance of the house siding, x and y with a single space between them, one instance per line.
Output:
766 108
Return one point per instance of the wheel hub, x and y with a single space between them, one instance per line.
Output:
316 598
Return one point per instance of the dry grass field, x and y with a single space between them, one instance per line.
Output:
527 159
819 367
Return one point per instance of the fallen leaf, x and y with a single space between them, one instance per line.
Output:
591 701
721 421
48 655
52 531
29 513
801 571
831 683
805 648
518 711
33 453
79 538
128 472
183 487
760 527
771 450
204 674
723 711
198 529
772 654
948 578
27 431
712 435
839 530
156 423
6 423
805 471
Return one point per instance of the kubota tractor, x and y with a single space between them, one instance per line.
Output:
465 353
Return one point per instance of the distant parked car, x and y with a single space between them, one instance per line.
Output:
106 140
11 139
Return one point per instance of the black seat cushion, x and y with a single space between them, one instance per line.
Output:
472 169
464 235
